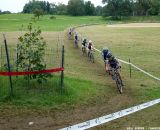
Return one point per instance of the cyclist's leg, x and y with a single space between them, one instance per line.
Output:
88 53
83 49
108 68
118 72
92 56
76 44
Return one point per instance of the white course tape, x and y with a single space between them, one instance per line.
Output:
97 50
110 117
124 61
145 72
139 69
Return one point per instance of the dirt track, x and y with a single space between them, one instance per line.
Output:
135 25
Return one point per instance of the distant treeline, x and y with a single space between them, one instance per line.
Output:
74 7
115 8
119 8
5 12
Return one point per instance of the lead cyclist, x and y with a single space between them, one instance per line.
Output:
114 63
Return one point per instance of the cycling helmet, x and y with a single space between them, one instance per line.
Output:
105 48
84 40
109 55
90 41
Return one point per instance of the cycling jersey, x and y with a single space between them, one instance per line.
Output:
90 46
113 63
84 43
76 37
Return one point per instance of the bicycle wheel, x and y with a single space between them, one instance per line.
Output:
91 57
83 50
119 83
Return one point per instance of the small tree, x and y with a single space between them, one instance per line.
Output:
31 51
38 13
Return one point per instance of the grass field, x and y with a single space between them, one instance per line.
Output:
14 22
90 91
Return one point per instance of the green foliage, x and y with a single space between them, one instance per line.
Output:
89 8
38 13
31 51
99 10
5 12
117 8
76 7
79 8
61 9
53 17
33 5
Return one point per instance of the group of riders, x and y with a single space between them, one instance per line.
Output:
109 60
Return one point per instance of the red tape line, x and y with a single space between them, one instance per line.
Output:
30 73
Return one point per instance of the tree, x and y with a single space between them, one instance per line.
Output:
76 7
117 8
31 51
53 8
6 12
144 6
38 13
48 7
61 9
89 8
40 5
99 10
155 7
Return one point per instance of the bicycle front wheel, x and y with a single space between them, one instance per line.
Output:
91 58
119 84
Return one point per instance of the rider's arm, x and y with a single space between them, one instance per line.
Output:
119 64
102 54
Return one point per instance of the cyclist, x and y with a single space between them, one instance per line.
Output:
90 47
84 44
105 55
76 40
114 63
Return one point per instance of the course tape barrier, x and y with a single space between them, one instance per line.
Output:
110 117
31 72
152 76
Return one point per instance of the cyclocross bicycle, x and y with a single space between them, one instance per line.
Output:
117 77
91 56
83 50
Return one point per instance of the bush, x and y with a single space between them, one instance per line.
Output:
52 17
31 51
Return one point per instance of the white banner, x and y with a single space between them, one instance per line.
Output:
110 117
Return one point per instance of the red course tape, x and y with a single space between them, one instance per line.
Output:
31 73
